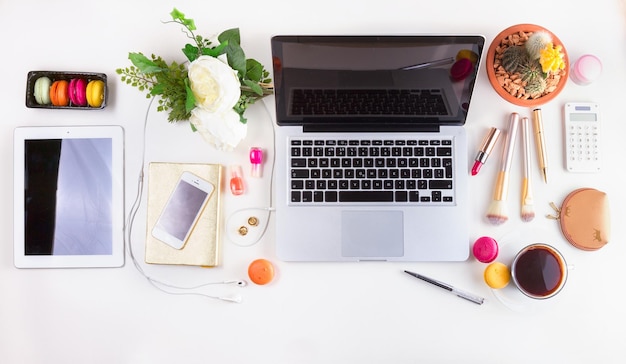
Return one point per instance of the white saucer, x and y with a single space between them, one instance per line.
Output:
239 229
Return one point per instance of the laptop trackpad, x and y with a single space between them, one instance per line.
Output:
372 234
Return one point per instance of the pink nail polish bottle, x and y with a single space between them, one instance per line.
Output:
256 159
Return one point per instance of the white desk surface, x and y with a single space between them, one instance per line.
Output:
310 313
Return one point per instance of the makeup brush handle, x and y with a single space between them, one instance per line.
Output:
527 194
501 191
507 155
540 141
526 145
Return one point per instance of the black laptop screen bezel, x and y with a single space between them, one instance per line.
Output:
475 43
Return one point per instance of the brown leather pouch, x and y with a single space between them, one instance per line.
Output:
584 218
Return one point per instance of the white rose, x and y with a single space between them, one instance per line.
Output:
223 130
214 84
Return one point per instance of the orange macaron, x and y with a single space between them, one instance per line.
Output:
59 93
261 271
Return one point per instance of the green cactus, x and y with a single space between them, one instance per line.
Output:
537 42
536 87
531 70
513 57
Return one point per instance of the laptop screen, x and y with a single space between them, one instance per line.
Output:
408 80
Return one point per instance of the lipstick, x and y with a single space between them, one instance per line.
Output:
489 141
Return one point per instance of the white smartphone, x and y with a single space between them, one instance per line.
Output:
582 137
182 210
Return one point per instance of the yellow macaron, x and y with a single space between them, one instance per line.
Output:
497 275
95 93
467 54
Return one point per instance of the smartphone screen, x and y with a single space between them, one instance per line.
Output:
182 210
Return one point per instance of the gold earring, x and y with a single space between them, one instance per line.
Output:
253 221
243 230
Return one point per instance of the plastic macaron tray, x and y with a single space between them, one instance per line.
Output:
66 90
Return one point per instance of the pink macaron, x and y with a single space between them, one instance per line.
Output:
461 69
77 91
485 249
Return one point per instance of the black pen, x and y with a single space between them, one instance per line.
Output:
449 288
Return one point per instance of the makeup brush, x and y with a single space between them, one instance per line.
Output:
497 210
528 211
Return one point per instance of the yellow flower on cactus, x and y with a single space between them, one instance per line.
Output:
551 58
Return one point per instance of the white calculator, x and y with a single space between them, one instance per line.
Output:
582 137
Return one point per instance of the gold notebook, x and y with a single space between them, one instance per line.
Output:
202 246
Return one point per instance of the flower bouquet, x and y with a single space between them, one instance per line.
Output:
212 91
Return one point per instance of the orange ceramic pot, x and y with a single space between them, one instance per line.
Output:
491 71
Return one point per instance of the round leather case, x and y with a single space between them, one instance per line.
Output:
584 218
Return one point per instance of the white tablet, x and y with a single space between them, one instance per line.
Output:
69 197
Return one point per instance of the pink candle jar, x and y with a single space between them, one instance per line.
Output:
586 69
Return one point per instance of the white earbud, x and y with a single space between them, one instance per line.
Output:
239 283
234 299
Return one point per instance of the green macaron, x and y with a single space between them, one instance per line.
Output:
42 90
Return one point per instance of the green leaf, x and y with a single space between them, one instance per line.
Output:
189 23
215 51
177 15
157 89
236 58
229 36
234 53
143 63
190 52
254 87
254 70
190 101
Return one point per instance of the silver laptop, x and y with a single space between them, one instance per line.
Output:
371 153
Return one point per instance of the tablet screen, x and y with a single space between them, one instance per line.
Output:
69 213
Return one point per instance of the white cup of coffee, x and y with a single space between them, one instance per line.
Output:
539 271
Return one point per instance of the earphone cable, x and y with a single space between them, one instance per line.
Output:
273 165
128 229
271 186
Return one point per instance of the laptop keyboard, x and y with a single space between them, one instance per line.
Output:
368 102
371 170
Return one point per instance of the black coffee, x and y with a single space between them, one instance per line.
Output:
538 271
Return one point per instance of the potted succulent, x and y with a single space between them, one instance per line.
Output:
527 65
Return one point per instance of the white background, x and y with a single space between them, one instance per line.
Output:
310 313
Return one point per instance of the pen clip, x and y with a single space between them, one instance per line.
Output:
477 300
